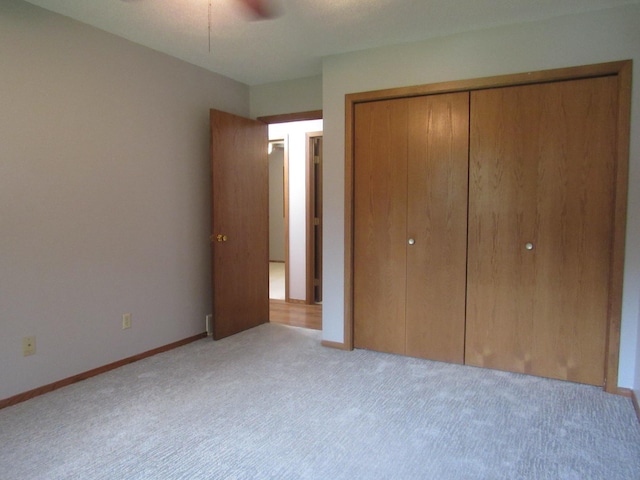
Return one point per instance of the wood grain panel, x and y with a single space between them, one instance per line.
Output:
575 211
501 184
437 220
291 117
542 171
380 201
240 202
295 314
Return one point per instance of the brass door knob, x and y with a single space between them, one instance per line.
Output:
218 238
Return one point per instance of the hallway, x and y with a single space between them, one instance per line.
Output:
295 314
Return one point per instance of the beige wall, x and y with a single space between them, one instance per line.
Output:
301 95
560 42
104 175
104 195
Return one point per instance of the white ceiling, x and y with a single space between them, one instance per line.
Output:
292 44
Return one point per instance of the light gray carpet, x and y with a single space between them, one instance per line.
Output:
273 403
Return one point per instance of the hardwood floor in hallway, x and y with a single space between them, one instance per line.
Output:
295 314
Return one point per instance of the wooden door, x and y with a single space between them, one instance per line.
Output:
438 130
411 165
380 225
316 195
542 169
239 223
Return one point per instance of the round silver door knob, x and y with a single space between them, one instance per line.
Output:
411 241
528 246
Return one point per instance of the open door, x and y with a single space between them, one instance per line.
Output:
239 223
314 217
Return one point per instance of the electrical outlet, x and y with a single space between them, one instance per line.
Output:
28 346
126 320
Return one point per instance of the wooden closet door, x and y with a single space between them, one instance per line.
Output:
437 222
410 182
380 218
542 166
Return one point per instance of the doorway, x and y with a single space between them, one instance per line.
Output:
314 217
295 198
278 203
240 243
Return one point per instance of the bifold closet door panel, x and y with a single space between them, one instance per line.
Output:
542 166
380 225
576 196
437 223
502 208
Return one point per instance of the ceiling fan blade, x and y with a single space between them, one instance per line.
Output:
257 9
260 9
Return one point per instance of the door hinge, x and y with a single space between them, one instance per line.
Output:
316 221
